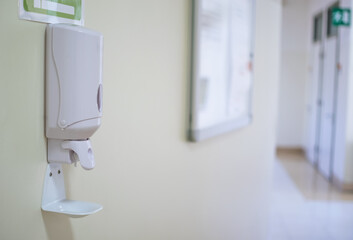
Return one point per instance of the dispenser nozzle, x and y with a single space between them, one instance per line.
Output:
82 153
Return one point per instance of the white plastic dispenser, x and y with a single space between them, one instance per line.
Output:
73 109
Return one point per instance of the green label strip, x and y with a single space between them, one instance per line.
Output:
70 9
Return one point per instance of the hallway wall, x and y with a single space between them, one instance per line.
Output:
152 183
348 54
294 70
296 95
342 158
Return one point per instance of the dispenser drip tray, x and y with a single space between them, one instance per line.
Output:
73 208
54 196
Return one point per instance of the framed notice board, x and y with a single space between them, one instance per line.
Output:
222 58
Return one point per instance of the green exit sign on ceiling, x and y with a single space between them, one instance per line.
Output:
341 17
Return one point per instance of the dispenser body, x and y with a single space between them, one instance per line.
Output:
73 82
73 110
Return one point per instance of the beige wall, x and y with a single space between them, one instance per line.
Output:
152 183
293 78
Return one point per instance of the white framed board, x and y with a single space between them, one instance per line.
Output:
222 58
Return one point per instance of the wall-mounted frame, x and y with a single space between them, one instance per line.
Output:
222 58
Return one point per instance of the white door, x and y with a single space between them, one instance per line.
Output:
328 107
314 107
328 98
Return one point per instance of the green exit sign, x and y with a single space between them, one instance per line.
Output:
341 17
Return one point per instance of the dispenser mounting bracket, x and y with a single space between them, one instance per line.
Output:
54 196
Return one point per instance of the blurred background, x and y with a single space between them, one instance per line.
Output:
313 170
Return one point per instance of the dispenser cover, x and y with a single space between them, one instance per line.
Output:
74 81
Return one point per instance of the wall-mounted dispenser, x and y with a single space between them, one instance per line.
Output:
73 109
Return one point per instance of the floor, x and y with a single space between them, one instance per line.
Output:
305 206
